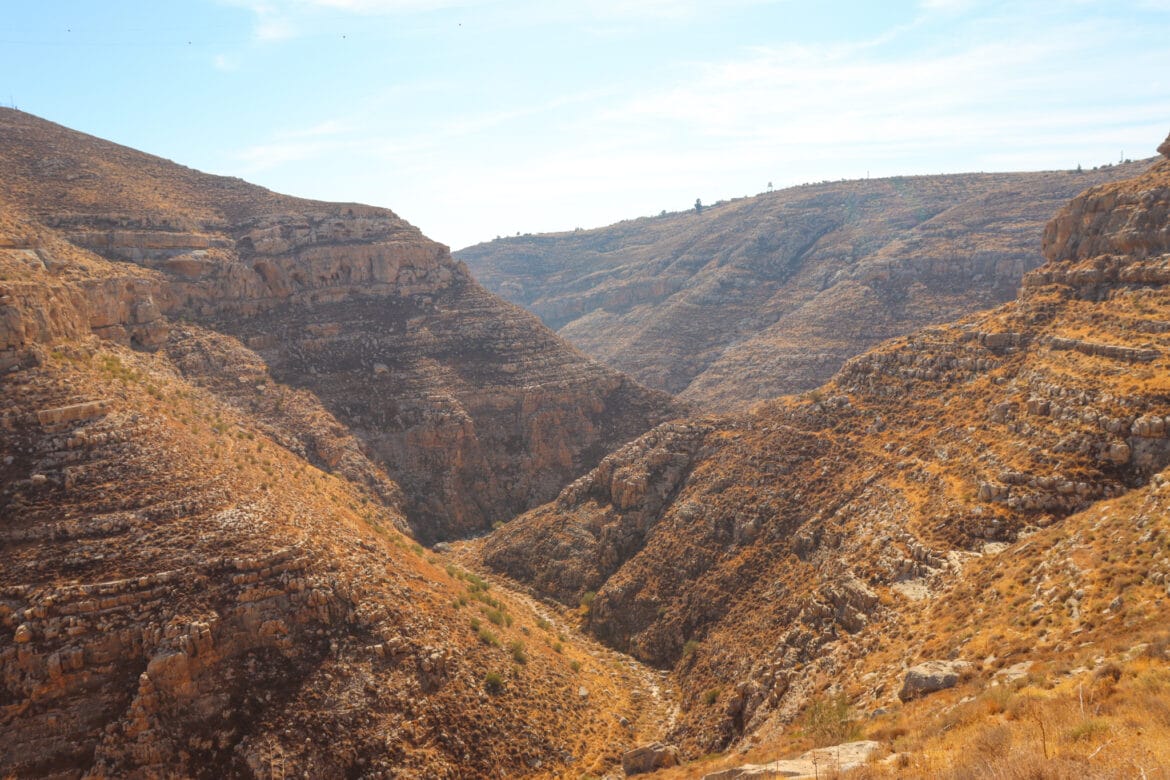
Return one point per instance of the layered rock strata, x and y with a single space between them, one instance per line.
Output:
474 408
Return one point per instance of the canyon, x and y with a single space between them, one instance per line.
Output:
230 420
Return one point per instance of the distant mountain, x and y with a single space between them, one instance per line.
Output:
771 294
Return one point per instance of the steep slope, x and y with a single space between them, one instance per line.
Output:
183 596
200 572
763 555
472 406
770 295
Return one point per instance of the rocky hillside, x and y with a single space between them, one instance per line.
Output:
468 403
183 594
770 295
812 544
221 410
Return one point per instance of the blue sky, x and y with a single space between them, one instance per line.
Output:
478 118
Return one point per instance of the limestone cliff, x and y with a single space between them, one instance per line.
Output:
478 412
771 294
765 553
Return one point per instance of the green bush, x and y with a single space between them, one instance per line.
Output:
493 683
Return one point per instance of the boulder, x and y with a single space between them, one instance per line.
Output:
648 758
931 676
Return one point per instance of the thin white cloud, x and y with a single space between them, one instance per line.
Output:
330 127
225 62
263 157
950 6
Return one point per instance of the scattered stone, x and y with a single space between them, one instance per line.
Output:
1012 673
649 758
931 676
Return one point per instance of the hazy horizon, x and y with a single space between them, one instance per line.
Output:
475 119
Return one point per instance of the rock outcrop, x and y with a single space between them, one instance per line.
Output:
771 294
649 758
768 553
930 677
476 410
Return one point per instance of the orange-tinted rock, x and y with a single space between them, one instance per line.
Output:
470 404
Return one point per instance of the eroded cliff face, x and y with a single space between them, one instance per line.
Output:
211 400
762 554
468 403
771 294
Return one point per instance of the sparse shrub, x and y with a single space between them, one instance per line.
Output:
558 647
493 683
711 696
575 665
992 741
829 720
587 600
488 638
1088 730
475 583
518 654
690 647
997 698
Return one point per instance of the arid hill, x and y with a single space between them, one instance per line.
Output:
769 295
474 408
220 411
981 494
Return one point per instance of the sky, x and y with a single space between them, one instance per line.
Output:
474 119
